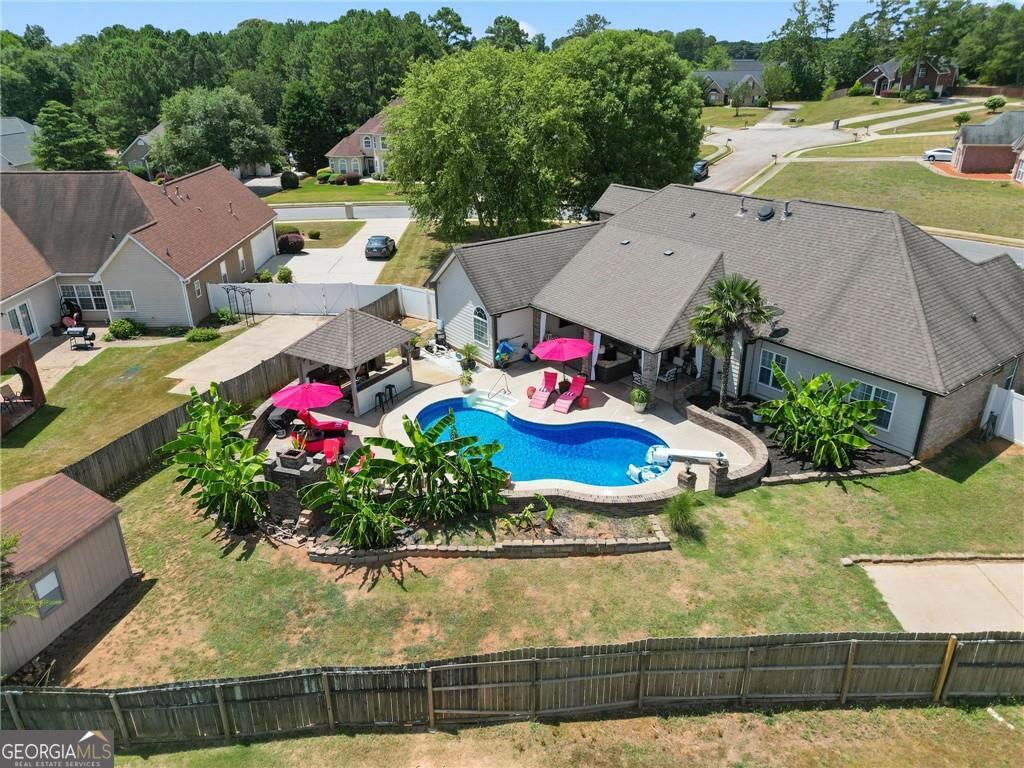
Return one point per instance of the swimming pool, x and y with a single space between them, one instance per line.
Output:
593 452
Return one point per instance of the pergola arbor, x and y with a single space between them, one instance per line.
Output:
16 357
350 341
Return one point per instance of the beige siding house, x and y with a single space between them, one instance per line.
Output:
70 555
364 151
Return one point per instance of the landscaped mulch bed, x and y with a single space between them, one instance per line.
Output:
780 463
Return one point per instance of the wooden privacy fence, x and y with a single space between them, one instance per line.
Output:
531 683
128 456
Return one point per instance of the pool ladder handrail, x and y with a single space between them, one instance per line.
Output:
505 387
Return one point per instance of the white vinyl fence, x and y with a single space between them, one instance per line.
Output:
324 298
1008 406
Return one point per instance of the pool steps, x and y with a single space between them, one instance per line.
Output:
497 404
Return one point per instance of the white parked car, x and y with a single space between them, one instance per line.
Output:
940 155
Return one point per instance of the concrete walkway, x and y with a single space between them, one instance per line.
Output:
953 596
244 351
55 358
346 264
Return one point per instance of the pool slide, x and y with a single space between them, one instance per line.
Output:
663 455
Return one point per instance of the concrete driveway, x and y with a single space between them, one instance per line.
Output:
970 596
245 351
346 264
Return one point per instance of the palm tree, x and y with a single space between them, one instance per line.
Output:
734 305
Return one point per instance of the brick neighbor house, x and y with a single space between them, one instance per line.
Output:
995 146
894 75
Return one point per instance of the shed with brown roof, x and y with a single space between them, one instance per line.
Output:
70 554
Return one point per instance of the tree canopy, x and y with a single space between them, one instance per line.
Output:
66 142
506 33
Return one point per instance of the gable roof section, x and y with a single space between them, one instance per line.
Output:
728 78
508 272
50 515
15 137
199 218
352 145
23 265
619 197
141 145
350 339
1004 128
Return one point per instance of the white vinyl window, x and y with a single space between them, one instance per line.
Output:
480 326
765 375
122 300
87 296
343 166
883 418
241 260
197 288
383 142
48 589
367 142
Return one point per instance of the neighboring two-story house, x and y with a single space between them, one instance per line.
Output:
896 76
362 151
112 245
719 84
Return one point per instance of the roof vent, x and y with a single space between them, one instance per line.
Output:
743 206
230 209
765 212
974 316
113 236
693 214
785 210
623 242
668 251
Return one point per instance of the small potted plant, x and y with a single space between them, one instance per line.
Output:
469 352
294 457
415 349
639 397
466 381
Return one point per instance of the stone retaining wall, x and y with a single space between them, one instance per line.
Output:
514 548
930 558
846 474
616 506
733 479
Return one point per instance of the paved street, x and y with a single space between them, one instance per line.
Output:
325 212
977 251
346 264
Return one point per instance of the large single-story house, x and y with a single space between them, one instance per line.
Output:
70 554
861 293
718 83
15 137
136 155
894 76
995 146
117 246
362 151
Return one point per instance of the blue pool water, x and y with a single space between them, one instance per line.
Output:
595 452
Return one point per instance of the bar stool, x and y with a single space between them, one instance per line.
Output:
381 401
391 390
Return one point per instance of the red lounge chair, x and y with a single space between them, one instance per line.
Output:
315 442
323 425
564 402
543 394
332 450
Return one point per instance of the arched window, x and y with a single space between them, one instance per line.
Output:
480 326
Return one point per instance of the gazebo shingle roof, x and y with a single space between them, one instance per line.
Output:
350 339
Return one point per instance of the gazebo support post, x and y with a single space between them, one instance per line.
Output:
352 391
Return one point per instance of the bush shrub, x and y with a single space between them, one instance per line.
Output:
290 243
175 330
286 229
263 276
202 335
962 117
888 94
284 275
352 178
323 176
761 101
376 175
226 317
857 89
326 169
681 516
336 178
314 234
915 97
123 328
289 180
994 103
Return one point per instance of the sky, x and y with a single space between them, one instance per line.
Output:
725 19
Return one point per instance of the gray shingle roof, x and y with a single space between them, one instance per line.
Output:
619 197
1004 128
15 137
350 339
508 272
727 78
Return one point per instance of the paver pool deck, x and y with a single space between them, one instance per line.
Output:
608 402
958 596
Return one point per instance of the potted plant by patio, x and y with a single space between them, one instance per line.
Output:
294 457
639 397
469 352
466 382
415 349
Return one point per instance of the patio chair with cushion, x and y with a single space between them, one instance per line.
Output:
543 394
565 401
668 375
332 426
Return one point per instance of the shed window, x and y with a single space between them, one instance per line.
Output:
480 326
765 375
122 301
883 418
87 296
197 288
47 589
241 260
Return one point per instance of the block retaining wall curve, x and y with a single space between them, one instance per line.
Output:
846 474
737 478
931 558
514 548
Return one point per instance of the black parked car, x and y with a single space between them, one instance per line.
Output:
700 170
380 247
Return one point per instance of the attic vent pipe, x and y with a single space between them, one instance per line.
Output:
785 210
743 205
230 209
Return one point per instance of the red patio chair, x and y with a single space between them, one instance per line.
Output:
565 401
543 394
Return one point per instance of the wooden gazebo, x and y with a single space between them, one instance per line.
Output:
357 342
16 356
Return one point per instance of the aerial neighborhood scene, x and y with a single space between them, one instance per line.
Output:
487 384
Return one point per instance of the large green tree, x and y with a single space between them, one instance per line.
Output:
203 126
32 72
452 154
304 125
66 142
639 112
993 48
450 29
506 33
795 45
778 83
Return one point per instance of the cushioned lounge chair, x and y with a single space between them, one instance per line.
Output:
565 401
543 394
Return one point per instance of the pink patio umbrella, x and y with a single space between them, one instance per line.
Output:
298 397
561 350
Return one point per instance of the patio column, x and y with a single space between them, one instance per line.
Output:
699 359
649 362
543 327
594 355
352 391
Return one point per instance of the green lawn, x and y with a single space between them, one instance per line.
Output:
726 117
922 114
769 563
845 107
940 123
939 736
707 150
311 192
923 196
913 145
116 391
333 234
